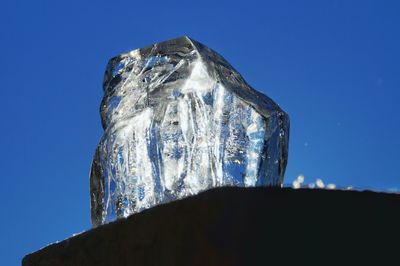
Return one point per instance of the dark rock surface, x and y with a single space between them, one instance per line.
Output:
234 226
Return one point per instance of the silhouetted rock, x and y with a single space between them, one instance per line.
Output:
235 226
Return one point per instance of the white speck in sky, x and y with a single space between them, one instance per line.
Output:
331 186
296 184
300 179
319 183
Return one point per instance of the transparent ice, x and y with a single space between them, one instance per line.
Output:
178 119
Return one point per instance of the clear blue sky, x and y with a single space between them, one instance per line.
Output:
332 65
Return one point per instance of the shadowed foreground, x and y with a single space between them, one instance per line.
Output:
235 226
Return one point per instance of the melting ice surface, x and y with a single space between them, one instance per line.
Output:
178 119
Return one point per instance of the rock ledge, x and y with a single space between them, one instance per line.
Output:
236 226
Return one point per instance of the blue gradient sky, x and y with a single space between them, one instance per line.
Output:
332 65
